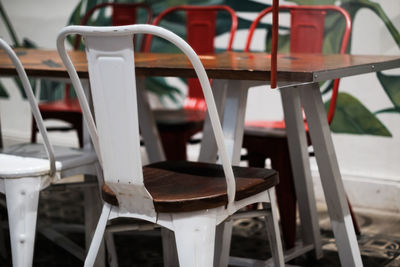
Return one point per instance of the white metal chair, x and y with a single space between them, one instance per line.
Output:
21 179
188 198
26 169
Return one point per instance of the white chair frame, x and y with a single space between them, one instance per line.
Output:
110 57
26 169
22 178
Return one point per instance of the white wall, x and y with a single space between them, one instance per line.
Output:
39 21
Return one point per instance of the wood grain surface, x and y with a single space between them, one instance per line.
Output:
180 186
227 65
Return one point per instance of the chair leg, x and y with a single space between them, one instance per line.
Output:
22 197
285 190
353 217
98 236
195 237
285 193
170 255
223 239
273 232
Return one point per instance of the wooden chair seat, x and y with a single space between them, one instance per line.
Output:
182 186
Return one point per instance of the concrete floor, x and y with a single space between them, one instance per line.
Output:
379 241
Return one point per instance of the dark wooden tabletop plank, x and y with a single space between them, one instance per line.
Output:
228 65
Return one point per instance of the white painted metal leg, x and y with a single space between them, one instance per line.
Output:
273 232
208 149
299 158
331 179
22 196
170 255
195 236
223 238
148 126
233 120
98 236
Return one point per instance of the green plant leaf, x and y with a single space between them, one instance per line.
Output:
352 117
391 85
51 90
388 110
159 86
353 6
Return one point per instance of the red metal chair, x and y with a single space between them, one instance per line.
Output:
176 127
68 109
306 36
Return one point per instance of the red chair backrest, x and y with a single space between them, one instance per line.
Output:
307 34
201 30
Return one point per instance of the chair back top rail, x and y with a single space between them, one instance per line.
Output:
110 58
32 102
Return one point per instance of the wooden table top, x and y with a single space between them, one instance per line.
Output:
227 65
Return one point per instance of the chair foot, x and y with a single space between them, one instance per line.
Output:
22 197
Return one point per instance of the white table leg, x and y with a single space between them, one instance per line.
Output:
231 105
208 148
297 142
148 126
231 109
233 118
346 241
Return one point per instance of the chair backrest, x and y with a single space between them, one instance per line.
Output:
32 102
307 34
115 135
122 14
201 25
